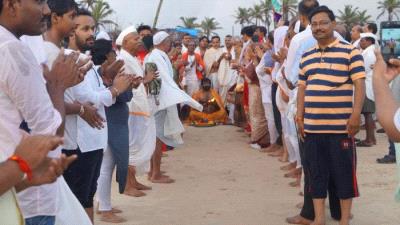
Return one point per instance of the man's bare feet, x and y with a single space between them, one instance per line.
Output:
295 183
283 158
293 173
134 192
276 153
162 179
317 223
288 167
142 187
298 220
113 210
109 217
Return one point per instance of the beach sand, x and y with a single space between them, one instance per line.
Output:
221 180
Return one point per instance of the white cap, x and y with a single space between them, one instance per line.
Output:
160 37
371 35
103 35
123 34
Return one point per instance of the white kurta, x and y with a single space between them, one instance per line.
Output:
210 57
23 96
369 60
142 128
190 81
170 96
226 75
57 194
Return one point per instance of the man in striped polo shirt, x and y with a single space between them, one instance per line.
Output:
328 117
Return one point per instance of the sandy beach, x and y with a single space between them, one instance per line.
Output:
221 180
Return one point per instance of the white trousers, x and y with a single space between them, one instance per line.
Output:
290 136
269 114
104 181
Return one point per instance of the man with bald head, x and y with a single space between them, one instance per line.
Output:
356 31
168 126
142 134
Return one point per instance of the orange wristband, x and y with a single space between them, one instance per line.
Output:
23 165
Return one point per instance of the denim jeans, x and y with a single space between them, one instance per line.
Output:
41 220
392 149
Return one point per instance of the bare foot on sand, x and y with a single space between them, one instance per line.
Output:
293 173
109 217
113 210
162 180
295 183
284 158
276 153
298 220
142 187
288 167
134 192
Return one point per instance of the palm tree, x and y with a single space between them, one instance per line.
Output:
189 22
392 7
289 7
266 6
88 4
257 13
363 17
100 11
209 25
242 16
349 16
157 13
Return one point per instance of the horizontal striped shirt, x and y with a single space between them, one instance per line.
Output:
328 75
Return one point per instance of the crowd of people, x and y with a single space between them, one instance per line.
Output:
77 105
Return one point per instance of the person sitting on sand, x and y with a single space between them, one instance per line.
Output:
213 107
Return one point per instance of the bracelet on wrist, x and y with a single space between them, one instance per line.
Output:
23 166
82 110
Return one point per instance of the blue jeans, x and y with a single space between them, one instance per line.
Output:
41 220
392 149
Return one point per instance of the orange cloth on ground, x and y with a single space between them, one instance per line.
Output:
219 117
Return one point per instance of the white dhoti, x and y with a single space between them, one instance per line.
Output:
142 142
289 130
269 114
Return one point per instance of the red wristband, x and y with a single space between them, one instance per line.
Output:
23 165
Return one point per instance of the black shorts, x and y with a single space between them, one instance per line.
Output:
331 156
81 176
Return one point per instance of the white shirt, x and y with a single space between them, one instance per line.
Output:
90 90
369 60
265 81
291 55
357 43
396 119
190 69
23 96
